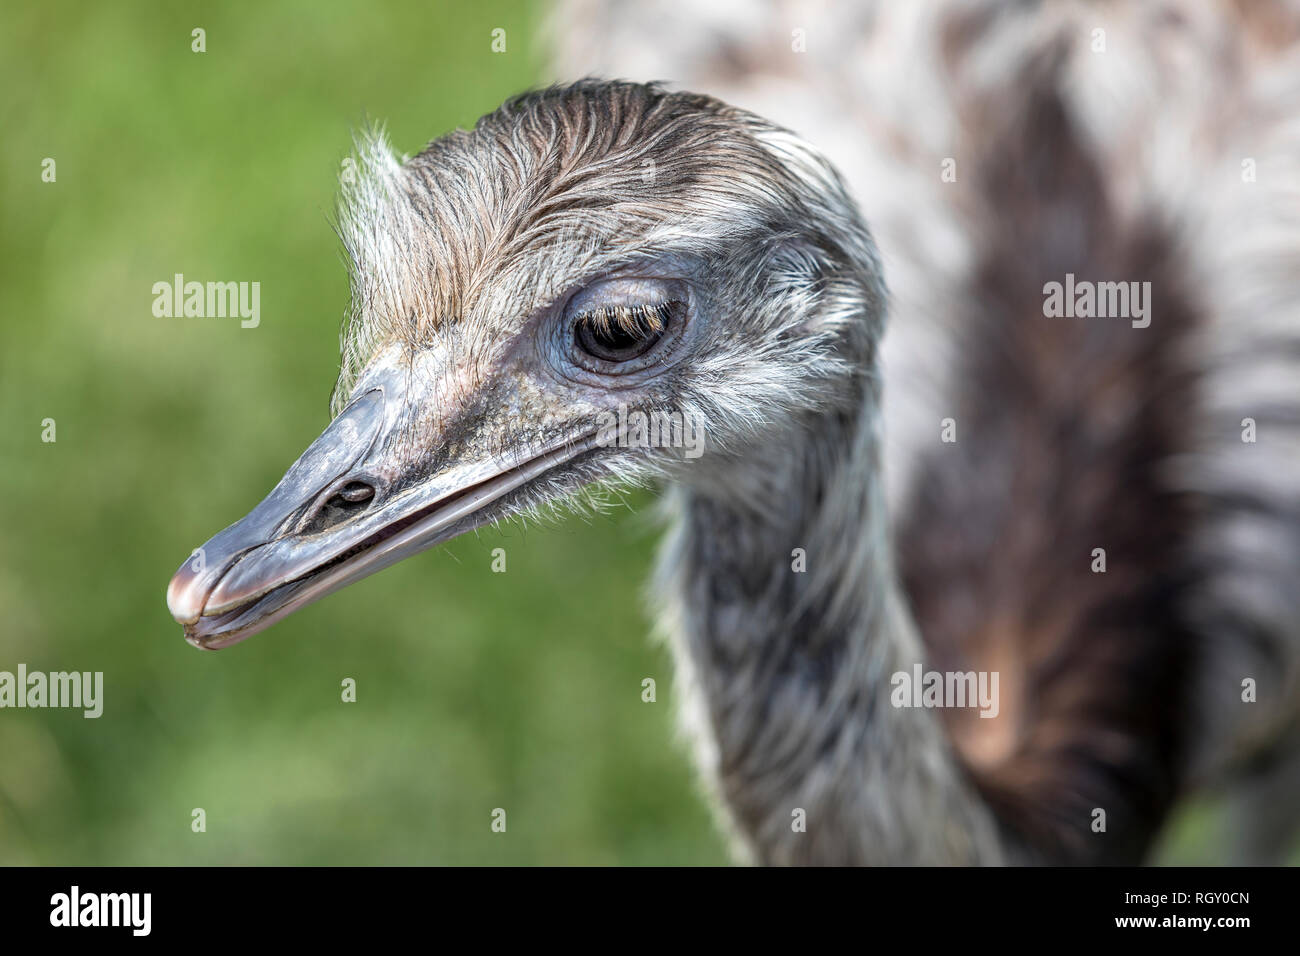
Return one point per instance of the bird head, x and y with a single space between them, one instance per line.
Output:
603 282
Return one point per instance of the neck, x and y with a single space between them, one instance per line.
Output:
787 625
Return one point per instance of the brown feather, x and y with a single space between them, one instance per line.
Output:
1064 426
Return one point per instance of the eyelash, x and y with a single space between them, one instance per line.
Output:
629 318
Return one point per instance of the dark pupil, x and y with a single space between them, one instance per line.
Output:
618 336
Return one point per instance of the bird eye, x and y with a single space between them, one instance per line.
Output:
623 325
620 333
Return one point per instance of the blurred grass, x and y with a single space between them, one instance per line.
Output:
475 690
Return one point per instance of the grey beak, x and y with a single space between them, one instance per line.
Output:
204 584
333 520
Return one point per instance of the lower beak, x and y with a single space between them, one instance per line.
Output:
330 521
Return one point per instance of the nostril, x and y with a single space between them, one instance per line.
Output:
356 492
346 502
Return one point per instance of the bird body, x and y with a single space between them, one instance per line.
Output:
867 504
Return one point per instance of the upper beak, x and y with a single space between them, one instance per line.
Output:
334 518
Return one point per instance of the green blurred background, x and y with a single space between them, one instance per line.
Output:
475 690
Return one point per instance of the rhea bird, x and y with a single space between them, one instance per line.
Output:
608 245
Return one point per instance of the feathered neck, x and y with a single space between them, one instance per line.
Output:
787 624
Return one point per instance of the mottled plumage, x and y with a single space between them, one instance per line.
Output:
1107 140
